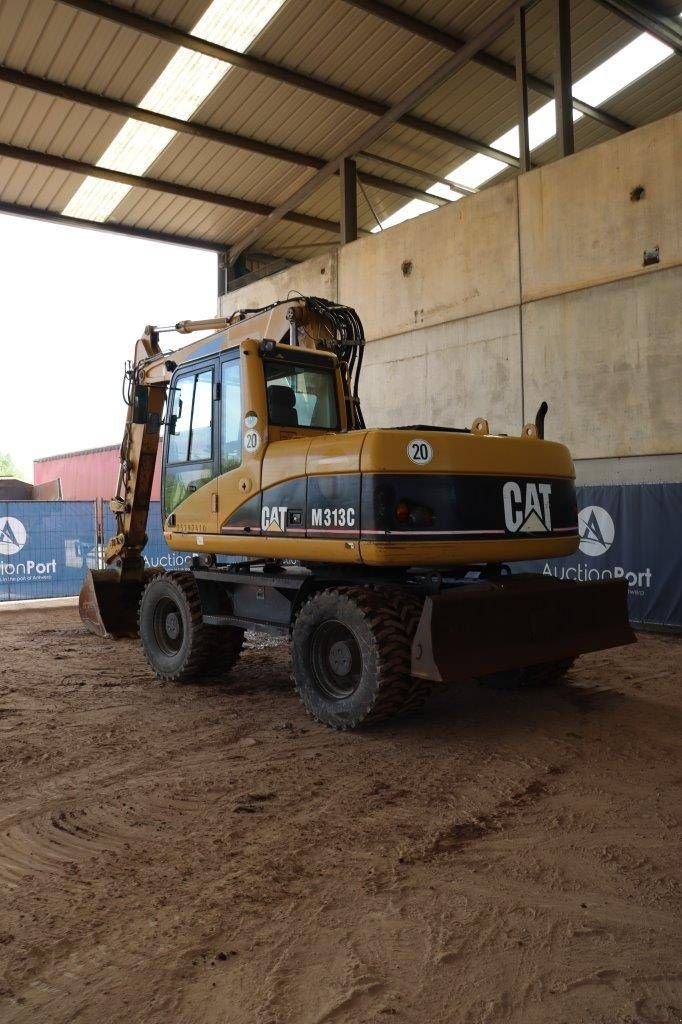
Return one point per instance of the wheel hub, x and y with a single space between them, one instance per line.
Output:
340 658
335 659
173 625
169 632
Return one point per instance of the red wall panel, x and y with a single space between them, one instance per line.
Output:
89 474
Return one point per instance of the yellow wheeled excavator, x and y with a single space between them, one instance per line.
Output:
383 553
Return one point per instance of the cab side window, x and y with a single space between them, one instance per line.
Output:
191 418
201 440
231 432
181 416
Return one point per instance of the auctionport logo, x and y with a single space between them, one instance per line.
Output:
12 535
596 529
597 533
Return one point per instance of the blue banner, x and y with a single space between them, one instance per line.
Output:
157 553
45 548
631 532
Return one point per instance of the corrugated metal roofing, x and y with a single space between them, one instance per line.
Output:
333 41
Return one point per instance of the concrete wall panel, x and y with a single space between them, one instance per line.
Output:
608 362
447 375
601 334
464 261
316 276
579 226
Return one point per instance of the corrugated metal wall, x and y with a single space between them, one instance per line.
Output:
88 474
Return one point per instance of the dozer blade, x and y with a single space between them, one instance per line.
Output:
492 626
108 606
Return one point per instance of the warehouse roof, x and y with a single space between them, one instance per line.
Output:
261 94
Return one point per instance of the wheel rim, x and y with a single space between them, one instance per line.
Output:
336 660
169 631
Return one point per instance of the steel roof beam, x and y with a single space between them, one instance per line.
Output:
246 61
641 15
419 172
436 78
61 163
113 106
486 60
52 217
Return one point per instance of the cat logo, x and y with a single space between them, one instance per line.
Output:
526 507
273 518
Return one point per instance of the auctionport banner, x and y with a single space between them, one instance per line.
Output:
45 548
156 552
631 532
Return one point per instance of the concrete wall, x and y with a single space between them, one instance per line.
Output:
533 289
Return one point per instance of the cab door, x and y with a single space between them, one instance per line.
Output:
241 444
191 450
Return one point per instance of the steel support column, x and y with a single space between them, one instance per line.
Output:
349 201
225 273
522 88
563 81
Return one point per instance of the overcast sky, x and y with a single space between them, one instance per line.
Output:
72 303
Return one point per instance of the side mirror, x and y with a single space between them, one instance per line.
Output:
173 417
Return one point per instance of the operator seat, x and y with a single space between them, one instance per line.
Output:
282 405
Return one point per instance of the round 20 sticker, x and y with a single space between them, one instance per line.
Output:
419 451
251 441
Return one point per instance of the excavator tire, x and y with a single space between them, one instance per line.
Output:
409 609
351 658
175 641
530 677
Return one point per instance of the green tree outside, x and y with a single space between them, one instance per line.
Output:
7 465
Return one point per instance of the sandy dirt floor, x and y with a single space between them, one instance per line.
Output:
205 853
